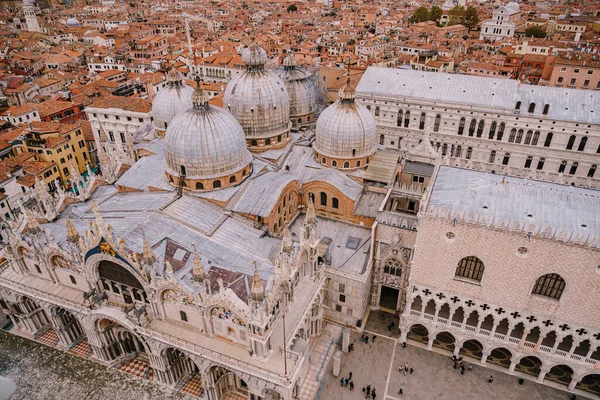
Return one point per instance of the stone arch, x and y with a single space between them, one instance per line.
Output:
445 340
93 262
530 365
500 356
271 394
224 380
472 348
419 333
589 383
560 373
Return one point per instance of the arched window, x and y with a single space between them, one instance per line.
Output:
393 266
518 105
183 316
571 142
531 107
461 126
511 137
377 111
528 137
469 152
528 161
562 167
253 143
335 203
519 136
346 164
536 137
216 184
573 168
592 171
422 121
549 285
472 127
244 172
546 109
369 107
458 151
353 152
582 143
406 118
506 159
199 186
480 128
182 170
382 139
267 142
232 179
399 119
444 149
323 199
323 160
492 130
436 124
493 156
548 140
540 165
501 131
358 164
334 163
72 278
470 267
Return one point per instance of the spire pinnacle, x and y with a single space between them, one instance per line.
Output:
198 273
72 233
287 243
311 215
257 291
199 98
148 254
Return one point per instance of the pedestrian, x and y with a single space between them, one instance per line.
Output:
342 382
352 346
366 339
400 392
455 364
349 348
373 339
470 367
373 394
453 358
491 379
362 338
412 370
346 382
368 390
403 345
462 370
364 389
351 386
460 358
350 376
400 368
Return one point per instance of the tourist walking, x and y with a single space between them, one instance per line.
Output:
491 379
373 339
350 376
351 386
342 382
346 382
400 392
411 370
470 367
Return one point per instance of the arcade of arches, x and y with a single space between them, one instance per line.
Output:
505 342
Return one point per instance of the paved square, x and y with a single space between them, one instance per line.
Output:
434 377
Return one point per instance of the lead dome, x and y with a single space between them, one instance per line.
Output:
72 22
260 101
175 98
302 93
345 133
205 146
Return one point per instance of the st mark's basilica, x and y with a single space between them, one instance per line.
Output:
218 241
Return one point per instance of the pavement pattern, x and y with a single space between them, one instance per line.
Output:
434 377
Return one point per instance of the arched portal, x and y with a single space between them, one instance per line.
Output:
224 381
562 374
121 284
472 348
529 365
118 341
270 394
67 327
445 340
419 333
179 368
500 356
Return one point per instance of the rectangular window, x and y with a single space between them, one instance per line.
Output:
338 308
573 81
342 298
586 83
183 316
122 137
342 288
73 281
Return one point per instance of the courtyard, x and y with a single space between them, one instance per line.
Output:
434 377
